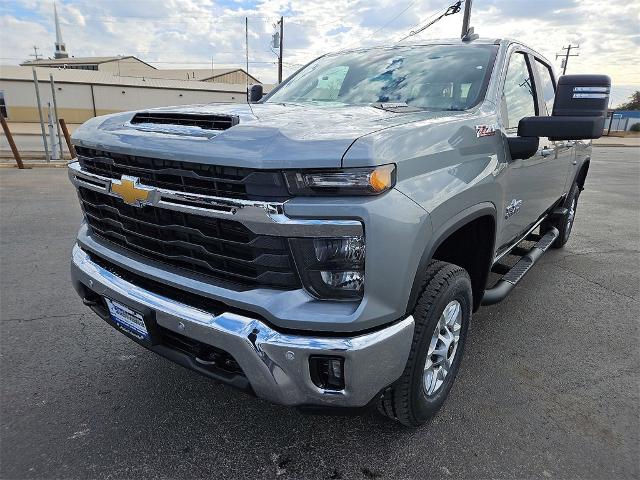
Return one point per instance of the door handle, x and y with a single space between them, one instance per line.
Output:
546 151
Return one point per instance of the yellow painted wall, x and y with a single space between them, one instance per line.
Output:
75 103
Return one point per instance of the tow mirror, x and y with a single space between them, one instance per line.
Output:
255 93
522 147
579 110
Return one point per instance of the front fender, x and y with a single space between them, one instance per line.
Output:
439 235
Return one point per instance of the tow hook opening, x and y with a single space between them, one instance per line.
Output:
95 302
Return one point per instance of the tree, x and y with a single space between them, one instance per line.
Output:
633 103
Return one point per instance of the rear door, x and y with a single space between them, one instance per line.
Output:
564 151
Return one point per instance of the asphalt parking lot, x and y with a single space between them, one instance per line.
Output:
549 387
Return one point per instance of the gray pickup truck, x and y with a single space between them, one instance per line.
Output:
325 246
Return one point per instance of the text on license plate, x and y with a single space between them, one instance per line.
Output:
128 319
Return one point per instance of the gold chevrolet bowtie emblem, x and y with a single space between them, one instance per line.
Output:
130 191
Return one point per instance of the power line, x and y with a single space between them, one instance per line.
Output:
392 20
451 9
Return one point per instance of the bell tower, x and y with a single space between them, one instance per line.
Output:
61 49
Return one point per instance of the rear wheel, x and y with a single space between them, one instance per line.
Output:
564 223
441 316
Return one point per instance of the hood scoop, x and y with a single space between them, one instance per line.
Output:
192 125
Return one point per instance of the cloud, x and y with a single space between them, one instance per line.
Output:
190 33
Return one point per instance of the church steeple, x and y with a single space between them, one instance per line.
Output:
61 49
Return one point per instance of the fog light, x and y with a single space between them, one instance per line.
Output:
331 268
327 372
352 281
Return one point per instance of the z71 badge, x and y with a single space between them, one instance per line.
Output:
485 130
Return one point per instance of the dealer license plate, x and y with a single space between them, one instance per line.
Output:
128 319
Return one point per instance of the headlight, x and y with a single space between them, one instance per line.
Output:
351 181
331 268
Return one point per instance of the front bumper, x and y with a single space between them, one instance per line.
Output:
276 365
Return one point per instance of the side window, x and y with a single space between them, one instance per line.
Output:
548 89
518 100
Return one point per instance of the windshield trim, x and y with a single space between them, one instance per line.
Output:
481 94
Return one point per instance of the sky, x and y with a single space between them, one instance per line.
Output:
193 33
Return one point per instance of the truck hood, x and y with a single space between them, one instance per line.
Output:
268 135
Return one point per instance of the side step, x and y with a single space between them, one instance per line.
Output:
511 277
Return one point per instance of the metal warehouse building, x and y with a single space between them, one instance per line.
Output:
82 94
130 66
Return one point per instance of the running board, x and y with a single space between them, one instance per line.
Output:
511 277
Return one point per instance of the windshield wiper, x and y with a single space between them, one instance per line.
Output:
395 107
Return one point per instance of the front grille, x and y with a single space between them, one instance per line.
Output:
220 248
190 177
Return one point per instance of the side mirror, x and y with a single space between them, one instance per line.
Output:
579 110
523 147
255 93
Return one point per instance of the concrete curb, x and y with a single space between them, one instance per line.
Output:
615 145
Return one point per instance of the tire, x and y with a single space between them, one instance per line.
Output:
416 396
564 224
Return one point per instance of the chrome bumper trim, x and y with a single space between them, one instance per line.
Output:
275 364
262 218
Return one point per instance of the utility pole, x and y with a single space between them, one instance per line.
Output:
566 56
35 54
281 22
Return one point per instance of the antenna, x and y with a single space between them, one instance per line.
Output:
467 34
451 10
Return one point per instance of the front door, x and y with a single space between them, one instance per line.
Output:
531 183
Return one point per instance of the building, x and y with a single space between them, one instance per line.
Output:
121 65
235 76
130 66
82 94
621 120
61 48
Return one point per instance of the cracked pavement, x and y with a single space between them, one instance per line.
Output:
549 387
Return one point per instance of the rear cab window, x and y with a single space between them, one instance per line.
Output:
547 88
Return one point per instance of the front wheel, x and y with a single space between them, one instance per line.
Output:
442 317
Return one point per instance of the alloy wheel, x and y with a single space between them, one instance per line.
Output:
442 348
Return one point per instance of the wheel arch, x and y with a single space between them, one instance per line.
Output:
478 219
581 177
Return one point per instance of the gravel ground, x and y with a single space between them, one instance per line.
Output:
548 389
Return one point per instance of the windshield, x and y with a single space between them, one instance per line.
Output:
434 77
